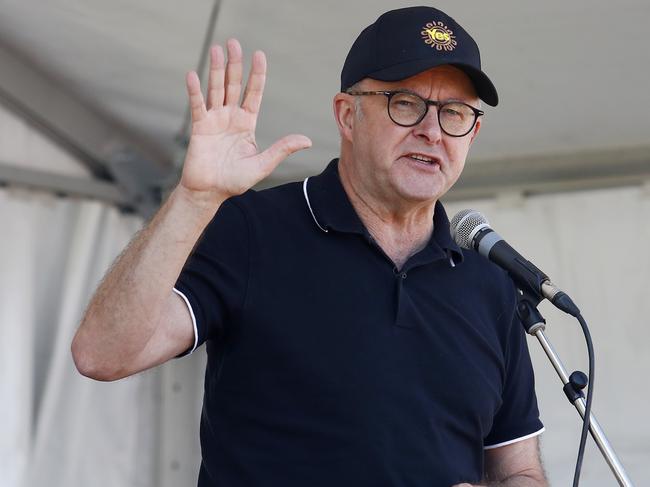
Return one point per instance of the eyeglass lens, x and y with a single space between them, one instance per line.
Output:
407 109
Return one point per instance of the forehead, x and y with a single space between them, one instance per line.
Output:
447 81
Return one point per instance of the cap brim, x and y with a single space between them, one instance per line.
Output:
482 84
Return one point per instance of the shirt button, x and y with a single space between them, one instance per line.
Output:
403 275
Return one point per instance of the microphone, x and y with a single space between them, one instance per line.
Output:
471 230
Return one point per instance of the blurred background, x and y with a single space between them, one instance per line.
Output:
93 126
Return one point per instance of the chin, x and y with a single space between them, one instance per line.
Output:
420 191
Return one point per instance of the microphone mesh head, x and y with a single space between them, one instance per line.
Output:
464 225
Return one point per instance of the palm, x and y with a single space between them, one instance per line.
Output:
222 157
217 144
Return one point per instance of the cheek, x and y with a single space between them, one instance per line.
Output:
377 141
457 152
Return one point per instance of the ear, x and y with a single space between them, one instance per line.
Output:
344 114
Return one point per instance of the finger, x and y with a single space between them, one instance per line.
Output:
280 150
216 80
233 72
255 85
197 105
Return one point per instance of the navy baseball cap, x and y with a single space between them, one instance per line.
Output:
404 42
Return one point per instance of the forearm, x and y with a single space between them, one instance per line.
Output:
126 309
131 322
535 480
533 477
532 480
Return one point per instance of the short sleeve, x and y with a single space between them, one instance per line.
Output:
518 416
214 279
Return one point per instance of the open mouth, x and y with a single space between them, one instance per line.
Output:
422 159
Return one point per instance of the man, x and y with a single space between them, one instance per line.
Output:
350 341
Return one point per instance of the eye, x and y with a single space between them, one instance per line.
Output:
456 111
451 111
405 101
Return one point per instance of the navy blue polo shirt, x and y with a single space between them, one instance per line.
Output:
327 366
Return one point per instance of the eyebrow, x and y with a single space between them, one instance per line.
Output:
447 100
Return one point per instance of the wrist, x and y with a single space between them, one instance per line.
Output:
197 205
202 201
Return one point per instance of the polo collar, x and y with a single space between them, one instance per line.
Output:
331 210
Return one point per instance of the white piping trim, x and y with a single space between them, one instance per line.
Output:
189 307
452 264
509 442
304 190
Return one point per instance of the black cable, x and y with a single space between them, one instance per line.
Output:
590 391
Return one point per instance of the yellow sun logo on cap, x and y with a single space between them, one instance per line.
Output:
438 35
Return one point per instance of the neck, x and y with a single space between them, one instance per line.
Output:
400 228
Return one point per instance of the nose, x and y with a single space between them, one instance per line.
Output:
429 128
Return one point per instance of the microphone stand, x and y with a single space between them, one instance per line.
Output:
535 325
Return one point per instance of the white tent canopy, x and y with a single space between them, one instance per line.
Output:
108 80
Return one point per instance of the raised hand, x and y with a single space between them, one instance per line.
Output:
222 159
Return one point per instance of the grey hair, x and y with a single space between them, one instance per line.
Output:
357 99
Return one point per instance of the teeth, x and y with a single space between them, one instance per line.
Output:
421 158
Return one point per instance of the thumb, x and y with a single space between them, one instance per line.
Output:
280 150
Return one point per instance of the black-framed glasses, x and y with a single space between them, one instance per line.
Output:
407 109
